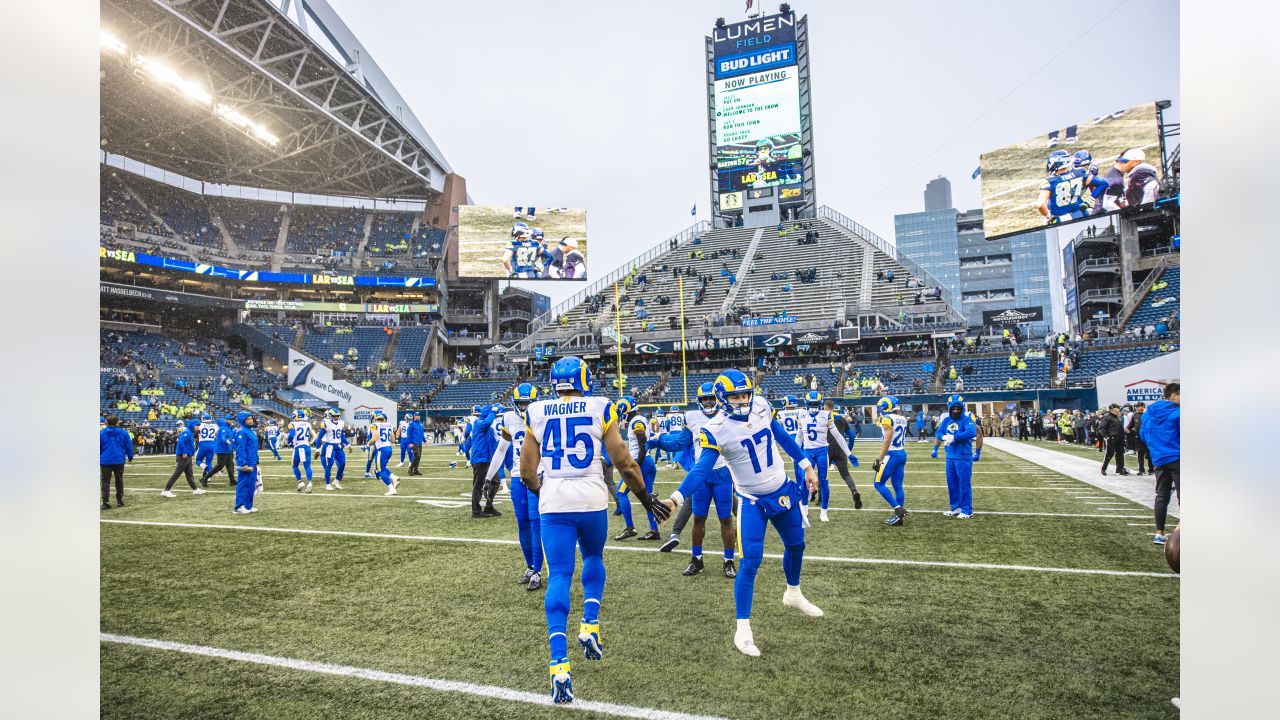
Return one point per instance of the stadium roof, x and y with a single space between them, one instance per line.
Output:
277 95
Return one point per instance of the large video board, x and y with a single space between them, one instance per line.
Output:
1089 168
757 103
522 243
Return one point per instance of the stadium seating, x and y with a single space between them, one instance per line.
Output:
1159 304
183 211
992 372
253 225
117 205
313 228
465 393
370 344
410 342
1100 361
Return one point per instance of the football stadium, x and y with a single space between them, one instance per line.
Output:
965 439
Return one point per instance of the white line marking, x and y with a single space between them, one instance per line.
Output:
633 548
450 686
322 493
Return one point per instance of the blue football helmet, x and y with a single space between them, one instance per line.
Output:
379 416
674 409
707 399
626 405
206 418
1058 160
790 401
813 400
537 234
300 414
524 394
271 421
1082 158
887 404
571 373
333 413
734 382
476 409
519 229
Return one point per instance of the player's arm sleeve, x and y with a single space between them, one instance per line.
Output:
500 452
967 432
681 439
698 475
289 437
789 444
642 438
1099 186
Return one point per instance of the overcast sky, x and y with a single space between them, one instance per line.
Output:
602 105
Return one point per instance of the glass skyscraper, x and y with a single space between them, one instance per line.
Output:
982 275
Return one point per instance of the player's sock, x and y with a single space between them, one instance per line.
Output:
728 553
744 587
697 551
899 493
792 559
653 523
624 503
525 534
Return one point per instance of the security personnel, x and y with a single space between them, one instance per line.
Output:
957 432
115 447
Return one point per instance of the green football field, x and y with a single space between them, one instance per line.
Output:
1052 602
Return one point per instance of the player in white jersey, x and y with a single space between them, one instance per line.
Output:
790 415
744 433
891 463
402 437
566 437
333 448
301 436
511 431
675 423
273 438
718 487
817 430
381 436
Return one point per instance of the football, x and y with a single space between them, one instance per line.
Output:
1172 549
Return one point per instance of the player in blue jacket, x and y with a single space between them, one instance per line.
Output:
246 452
483 444
957 433
183 451
115 447
416 435
222 451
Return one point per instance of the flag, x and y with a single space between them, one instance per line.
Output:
694 211
976 172
748 6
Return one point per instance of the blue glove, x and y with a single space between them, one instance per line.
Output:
853 460
977 454
934 454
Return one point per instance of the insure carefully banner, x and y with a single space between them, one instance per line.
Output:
316 379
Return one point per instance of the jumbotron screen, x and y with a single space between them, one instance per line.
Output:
522 242
1088 168
757 103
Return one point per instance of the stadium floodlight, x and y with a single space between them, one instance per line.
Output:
112 43
235 117
168 76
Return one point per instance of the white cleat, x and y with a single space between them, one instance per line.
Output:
390 490
951 513
328 488
395 482
745 643
399 464
964 516
794 598
301 485
167 493
253 510
308 488
823 517
337 485
239 511
197 491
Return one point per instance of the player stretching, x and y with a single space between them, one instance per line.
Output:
380 433
718 485
817 431
570 433
524 504
333 453
744 434
300 437
892 460
638 445
273 438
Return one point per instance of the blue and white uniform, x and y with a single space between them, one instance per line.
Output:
381 432
894 465
333 452
206 443
301 437
525 257
753 447
402 432
273 438
524 504
719 484
815 429
648 468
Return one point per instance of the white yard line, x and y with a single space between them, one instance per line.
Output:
319 493
490 692
634 548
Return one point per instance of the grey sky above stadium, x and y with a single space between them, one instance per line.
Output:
602 105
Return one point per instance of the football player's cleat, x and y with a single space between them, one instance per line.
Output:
695 567
951 513
302 484
857 501
199 491
391 490
964 516
368 475
670 544
651 535
589 639
793 598
730 570
561 682
240 511
524 579
337 485
823 516
253 510
625 534
308 488
898 515
535 582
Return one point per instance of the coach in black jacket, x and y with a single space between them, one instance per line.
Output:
1111 429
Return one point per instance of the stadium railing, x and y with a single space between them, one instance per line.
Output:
1140 292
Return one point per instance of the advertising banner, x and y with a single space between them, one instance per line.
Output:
758 321
1143 382
1012 316
741 342
316 379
